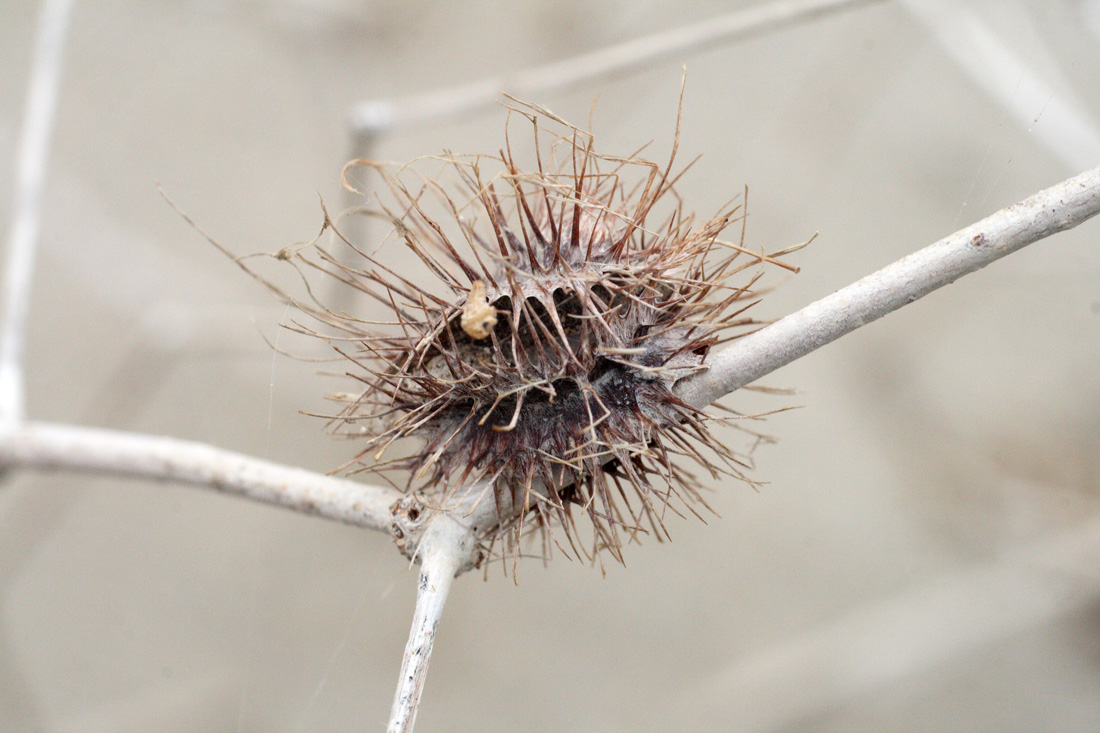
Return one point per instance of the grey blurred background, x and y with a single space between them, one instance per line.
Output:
925 553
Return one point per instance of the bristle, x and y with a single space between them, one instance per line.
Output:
548 363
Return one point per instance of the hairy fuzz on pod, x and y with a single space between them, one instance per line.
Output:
572 295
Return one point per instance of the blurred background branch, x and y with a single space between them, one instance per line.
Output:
26 209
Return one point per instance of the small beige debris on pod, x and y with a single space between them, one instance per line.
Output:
478 317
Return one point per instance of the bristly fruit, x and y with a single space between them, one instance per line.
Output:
545 369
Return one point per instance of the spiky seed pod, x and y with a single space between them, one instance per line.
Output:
546 366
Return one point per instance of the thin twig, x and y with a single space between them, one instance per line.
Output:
1048 212
380 115
34 149
37 445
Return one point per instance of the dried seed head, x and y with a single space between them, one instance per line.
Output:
543 361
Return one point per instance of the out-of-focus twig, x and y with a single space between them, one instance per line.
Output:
376 116
33 156
1049 113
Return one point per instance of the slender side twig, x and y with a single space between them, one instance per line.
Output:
1048 212
34 149
65 447
378 115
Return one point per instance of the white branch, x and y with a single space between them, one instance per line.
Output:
65 447
1051 211
34 148
379 115
444 551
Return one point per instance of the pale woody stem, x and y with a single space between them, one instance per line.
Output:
1048 212
46 446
